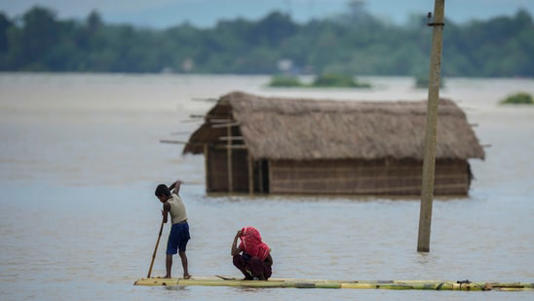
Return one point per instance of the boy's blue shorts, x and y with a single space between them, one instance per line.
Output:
178 238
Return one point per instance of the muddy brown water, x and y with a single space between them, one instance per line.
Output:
79 160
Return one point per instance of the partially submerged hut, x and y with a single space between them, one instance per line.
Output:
254 144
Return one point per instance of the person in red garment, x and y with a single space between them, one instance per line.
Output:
252 257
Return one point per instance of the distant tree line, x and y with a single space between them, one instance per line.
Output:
354 43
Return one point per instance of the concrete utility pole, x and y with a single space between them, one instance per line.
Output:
429 163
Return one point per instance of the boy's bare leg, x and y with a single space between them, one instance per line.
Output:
168 266
183 257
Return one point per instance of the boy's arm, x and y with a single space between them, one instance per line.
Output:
165 211
176 186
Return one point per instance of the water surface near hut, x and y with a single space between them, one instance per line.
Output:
80 158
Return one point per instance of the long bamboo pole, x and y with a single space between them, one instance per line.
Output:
435 285
425 214
155 250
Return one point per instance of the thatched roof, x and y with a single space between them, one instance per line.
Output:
304 129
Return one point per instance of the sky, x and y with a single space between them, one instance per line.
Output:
205 13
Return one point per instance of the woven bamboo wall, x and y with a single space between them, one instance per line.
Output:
217 171
377 177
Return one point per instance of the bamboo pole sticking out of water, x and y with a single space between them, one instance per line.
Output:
172 141
429 163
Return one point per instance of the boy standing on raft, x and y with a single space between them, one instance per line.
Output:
255 260
179 235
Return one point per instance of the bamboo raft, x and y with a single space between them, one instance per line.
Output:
309 283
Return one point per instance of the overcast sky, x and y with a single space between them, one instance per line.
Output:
164 13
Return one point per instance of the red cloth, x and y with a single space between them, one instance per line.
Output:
251 243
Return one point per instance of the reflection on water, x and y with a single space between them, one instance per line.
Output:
80 158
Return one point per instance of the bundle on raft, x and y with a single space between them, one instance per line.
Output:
308 283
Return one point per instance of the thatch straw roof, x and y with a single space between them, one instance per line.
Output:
304 129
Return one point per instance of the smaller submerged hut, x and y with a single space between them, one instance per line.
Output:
254 144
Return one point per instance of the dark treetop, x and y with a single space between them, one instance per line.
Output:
348 43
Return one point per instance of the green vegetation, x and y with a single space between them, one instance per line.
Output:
329 80
349 43
285 81
519 98
338 80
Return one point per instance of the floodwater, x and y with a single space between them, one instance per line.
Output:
80 158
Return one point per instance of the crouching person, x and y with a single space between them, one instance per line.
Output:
252 257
